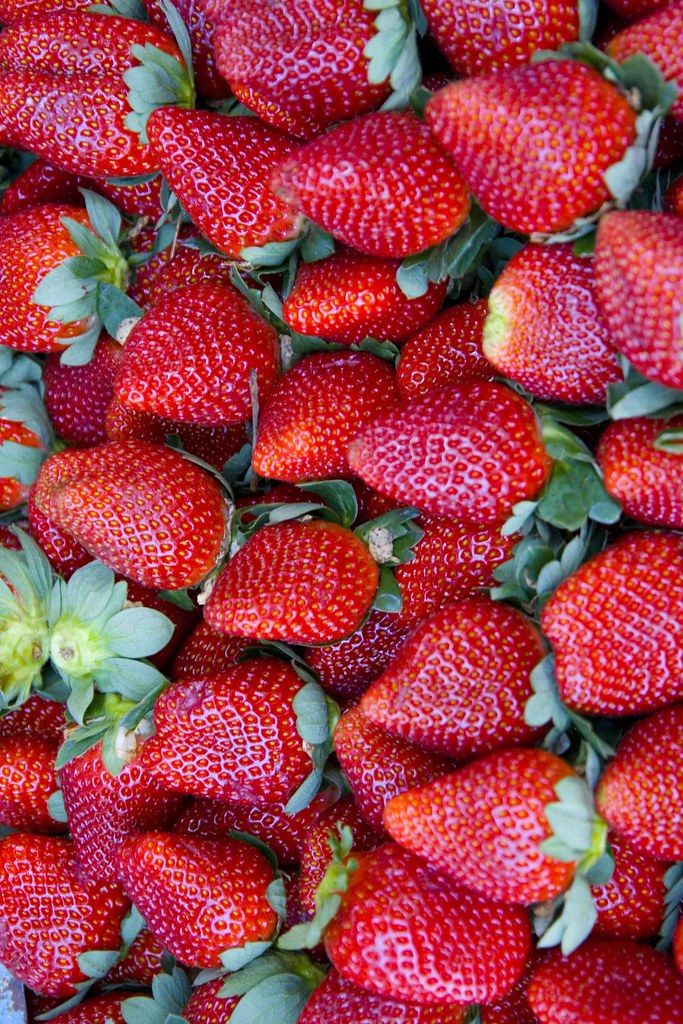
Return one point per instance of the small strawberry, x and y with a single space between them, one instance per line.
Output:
348 297
655 37
632 904
544 329
616 627
195 14
519 136
64 554
198 896
205 652
103 1009
38 716
673 197
27 781
641 792
50 915
140 963
77 397
346 668
408 197
639 279
338 1001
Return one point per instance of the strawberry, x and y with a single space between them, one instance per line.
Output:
13 10
39 184
206 1007
77 397
206 652
544 329
141 962
37 717
640 792
25 437
171 268
195 14
346 668
64 554
408 197
616 627
142 509
104 1009
638 273
607 981
669 144
631 10
27 781
190 358
446 351
678 945
469 452
198 896
348 297
459 684
673 197
514 1007
519 135
632 904
379 766
644 479
338 1001
654 36
51 915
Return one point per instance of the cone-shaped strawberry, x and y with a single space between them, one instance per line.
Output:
141 961
27 781
446 351
64 554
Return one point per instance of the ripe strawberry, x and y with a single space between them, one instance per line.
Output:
631 905
469 452
141 963
103 1009
220 168
64 554
655 36
206 1007
348 297
144 510
678 945
639 273
205 653
346 668
631 10
544 329
645 480
27 781
51 915
38 716
77 397
607 981
12 10
409 197
641 793
446 351
518 136
190 358
199 897
616 626
24 436
176 268
514 1007
42 183
673 197
200 25
338 1001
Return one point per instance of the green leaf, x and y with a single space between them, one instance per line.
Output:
411 277
638 397
272 254
104 217
316 245
61 285
114 306
97 962
132 679
179 598
87 242
337 495
131 926
389 597
279 999
574 493
138 632
576 919
235 959
670 440
311 709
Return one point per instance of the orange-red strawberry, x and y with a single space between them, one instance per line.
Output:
644 479
641 792
77 397
27 781
50 915
349 296
346 668
656 36
141 962
42 183
616 627
469 452
544 329
199 896
63 552
639 283
673 197
38 716
195 14
678 945
534 142
380 184
337 1001
446 351
103 1009
206 652
142 509
631 904
205 1006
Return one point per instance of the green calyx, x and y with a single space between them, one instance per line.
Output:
23 404
392 52
635 395
332 500
673 880
316 718
25 586
133 9
171 991
274 988
391 539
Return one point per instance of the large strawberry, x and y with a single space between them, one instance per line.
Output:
631 905
446 351
77 397
655 36
616 626
407 197
639 282
142 509
27 781
346 668
338 1001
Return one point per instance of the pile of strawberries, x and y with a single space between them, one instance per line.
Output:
341 480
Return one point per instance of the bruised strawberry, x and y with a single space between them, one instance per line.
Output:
346 668
77 397
206 652
446 351
337 1001
27 781
63 552
644 479
631 905
103 1009
38 716
655 36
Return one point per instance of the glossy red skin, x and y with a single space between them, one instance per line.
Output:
446 351
198 896
201 27
514 1007
67 915
141 509
639 279
495 126
645 481
673 198
337 1001
190 357
349 296
232 736
171 269
301 582
103 1009
678 945
641 793
205 1007
137 200
205 652
498 36
62 551
631 905
467 452
616 627
12 491
299 65
407 197
37 716
346 669
42 183
314 412
656 36
422 958
27 781
13 10
220 169
607 982
544 329
77 397
141 963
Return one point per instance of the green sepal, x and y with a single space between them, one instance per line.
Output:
159 79
18 368
240 956
23 404
272 254
271 964
338 495
392 536
55 807
670 440
277 999
578 833
316 244
392 52
131 926
338 503
673 880
179 598
170 994
26 579
588 16
574 918
316 718
635 396
133 9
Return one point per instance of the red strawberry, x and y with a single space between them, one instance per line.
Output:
669 144
544 329
27 781
678 945
42 183
349 296
408 197
302 582
176 268
634 9
38 717
615 981
631 905
206 652
195 14
673 197
446 351
655 36
460 682
104 1009
639 279
380 766
141 963
645 480
470 452
206 1007
337 1001
519 136
77 397
64 554
641 792
616 626
199 897
51 915
190 358
142 509
12 10
19 427
514 1007
346 668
